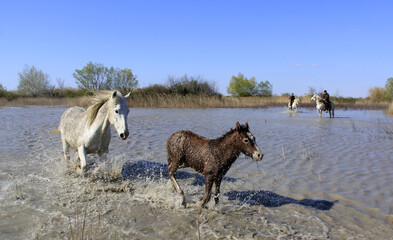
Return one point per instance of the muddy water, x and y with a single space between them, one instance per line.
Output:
319 179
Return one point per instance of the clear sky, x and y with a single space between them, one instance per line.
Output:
343 46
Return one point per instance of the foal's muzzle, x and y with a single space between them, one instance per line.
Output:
257 156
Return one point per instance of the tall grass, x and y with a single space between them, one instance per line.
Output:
390 109
200 101
79 229
45 101
166 100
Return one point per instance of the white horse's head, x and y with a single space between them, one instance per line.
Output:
118 112
315 97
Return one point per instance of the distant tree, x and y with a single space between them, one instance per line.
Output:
3 91
98 77
264 89
311 91
60 90
92 76
124 80
376 93
195 85
389 88
240 86
33 82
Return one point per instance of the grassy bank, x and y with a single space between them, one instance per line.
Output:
199 101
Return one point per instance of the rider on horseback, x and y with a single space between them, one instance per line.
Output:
291 100
326 101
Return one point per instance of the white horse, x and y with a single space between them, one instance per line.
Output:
295 104
321 106
88 131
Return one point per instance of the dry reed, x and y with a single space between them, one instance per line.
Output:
42 101
199 101
390 109
78 230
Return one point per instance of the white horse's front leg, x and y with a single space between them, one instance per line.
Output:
82 157
320 113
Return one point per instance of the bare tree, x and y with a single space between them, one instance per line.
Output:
33 82
61 88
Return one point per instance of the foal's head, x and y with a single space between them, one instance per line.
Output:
246 142
118 112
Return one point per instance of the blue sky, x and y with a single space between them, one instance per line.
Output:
343 46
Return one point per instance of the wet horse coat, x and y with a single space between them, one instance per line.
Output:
211 157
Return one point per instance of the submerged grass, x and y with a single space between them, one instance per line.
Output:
200 101
79 229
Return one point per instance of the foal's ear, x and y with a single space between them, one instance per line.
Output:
237 126
246 125
126 96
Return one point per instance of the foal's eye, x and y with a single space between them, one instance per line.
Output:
246 140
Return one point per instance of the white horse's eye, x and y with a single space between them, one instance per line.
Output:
116 111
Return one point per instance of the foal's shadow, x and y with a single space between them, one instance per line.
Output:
143 170
271 199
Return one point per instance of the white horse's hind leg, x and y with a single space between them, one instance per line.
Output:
82 157
66 149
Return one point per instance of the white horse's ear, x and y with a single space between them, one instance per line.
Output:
126 96
114 94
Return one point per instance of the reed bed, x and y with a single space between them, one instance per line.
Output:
43 101
192 101
201 101
390 109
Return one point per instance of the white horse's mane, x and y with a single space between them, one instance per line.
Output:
97 101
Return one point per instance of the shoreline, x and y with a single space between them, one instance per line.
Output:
175 101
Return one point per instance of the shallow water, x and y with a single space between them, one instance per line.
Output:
319 178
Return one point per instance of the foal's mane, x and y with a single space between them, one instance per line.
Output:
241 129
97 101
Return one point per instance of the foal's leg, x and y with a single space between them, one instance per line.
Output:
216 190
82 157
208 191
171 172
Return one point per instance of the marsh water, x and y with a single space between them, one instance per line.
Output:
319 178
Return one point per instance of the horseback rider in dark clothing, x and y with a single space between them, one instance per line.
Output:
326 101
291 99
